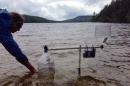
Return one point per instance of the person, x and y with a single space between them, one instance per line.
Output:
11 22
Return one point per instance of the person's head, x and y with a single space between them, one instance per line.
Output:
17 21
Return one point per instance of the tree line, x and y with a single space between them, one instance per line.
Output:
35 19
118 11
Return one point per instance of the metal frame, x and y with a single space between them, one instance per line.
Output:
79 68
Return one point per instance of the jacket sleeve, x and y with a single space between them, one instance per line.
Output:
12 47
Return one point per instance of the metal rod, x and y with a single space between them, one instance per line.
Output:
79 70
72 48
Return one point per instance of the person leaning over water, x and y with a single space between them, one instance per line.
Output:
11 22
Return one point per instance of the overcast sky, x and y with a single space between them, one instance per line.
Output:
54 9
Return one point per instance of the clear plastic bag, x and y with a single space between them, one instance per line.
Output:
46 69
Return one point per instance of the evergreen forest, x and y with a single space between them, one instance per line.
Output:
118 11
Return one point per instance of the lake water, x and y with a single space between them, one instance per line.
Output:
110 67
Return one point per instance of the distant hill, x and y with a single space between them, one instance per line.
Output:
35 19
79 19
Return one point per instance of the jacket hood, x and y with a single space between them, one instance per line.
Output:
5 23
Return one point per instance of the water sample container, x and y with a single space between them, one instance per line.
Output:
89 52
46 69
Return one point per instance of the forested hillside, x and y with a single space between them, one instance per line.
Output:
86 18
117 12
35 19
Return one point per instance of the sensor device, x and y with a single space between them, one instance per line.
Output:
89 52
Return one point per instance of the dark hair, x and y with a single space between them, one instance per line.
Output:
17 17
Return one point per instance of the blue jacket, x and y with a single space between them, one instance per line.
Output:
6 38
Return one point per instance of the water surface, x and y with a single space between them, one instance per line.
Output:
110 67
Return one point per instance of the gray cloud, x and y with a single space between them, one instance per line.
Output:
54 9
